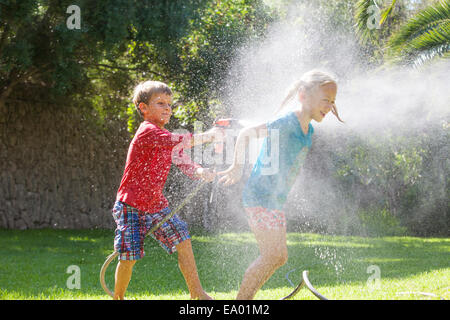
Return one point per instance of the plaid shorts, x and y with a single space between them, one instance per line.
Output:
133 224
263 218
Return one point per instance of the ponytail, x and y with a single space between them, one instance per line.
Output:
294 89
308 81
335 112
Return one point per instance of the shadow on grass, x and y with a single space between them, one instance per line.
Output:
35 262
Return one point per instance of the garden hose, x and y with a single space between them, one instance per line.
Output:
310 286
295 291
113 255
303 282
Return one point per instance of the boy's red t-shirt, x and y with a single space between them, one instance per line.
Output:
149 159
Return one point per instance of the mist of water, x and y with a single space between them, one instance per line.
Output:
367 98
375 103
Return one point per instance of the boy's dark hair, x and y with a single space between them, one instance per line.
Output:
144 91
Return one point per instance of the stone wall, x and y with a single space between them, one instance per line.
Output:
56 168
59 170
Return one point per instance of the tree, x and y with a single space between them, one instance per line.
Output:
424 37
119 42
375 22
413 41
197 62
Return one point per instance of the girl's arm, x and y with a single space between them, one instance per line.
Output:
234 172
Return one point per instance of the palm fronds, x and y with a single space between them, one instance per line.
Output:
386 12
367 17
370 15
423 37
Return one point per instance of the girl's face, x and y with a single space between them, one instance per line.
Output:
320 101
158 110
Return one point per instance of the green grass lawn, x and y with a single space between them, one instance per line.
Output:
35 262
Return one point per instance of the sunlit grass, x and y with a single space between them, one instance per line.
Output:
35 262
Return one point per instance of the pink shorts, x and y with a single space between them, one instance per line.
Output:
263 218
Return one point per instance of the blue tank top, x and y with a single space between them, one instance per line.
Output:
282 153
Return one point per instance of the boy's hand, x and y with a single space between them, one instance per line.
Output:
230 176
205 174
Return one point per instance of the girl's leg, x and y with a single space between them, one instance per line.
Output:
188 268
124 270
273 254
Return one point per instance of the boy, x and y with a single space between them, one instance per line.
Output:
140 203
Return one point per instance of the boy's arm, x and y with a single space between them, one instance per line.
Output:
163 138
154 137
189 167
184 162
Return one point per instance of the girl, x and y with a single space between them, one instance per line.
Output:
272 177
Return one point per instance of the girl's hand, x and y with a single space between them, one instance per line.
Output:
230 176
205 174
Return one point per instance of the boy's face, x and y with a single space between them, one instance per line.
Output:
158 110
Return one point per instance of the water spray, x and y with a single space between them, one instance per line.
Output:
230 125
226 124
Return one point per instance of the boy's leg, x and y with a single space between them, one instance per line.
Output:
186 262
174 236
273 254
123 275
129 242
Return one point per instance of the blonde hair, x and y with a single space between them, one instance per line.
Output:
144 91
309 81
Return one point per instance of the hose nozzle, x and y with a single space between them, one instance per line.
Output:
229 123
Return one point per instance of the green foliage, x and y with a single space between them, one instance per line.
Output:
400 179
386 12
198 61
365 11
133 119
424 37
187 44
41 55
379 223
375 22
412 41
